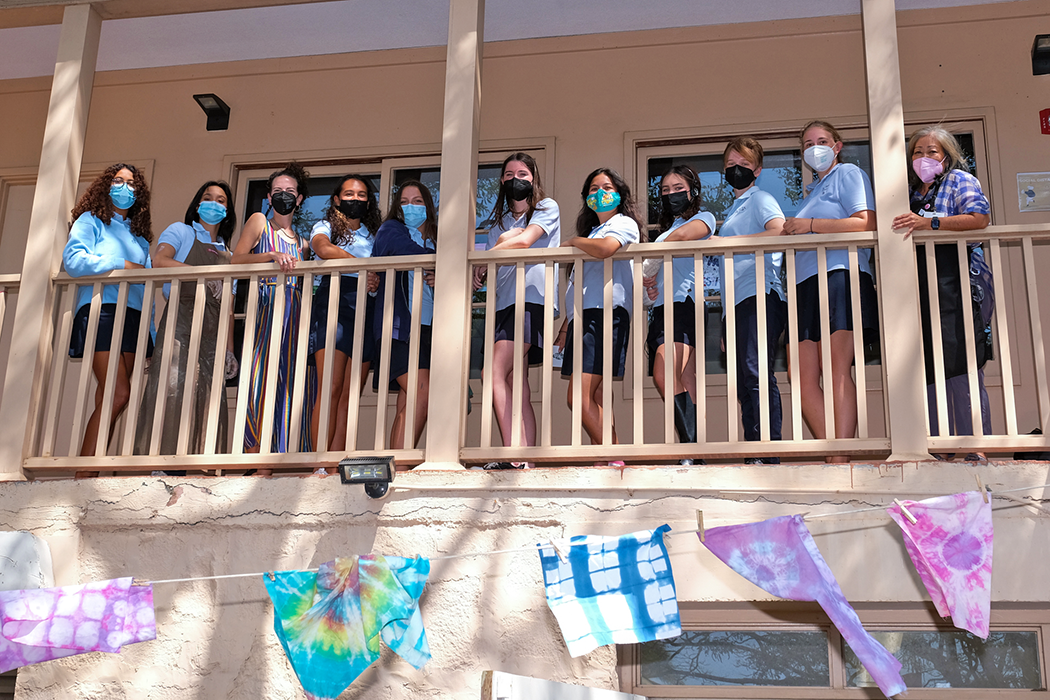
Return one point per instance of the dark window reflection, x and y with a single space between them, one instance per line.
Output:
738 658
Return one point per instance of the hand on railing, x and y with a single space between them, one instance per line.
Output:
284 260
907 223
480 273
128 265
794 227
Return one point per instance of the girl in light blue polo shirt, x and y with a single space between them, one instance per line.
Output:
754 213
840 201
607 221
680 220
111 231
201 238
524 217
346 231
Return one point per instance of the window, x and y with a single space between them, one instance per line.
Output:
784 650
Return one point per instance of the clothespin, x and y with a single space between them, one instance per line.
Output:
906 512
139 582
559 552
270 574
980 487
700 525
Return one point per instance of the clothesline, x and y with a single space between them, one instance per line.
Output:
529 548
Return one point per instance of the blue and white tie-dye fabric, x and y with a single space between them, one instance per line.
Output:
611 590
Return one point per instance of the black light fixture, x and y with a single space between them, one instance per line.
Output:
1041 54
375 473
218 111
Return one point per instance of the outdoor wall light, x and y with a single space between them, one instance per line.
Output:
375 473
1041 55
218 111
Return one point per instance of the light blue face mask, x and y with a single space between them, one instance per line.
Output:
123 195
211 213
415 214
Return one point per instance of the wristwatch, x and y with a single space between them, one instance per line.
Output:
935 223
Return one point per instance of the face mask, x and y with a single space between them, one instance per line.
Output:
675 203
415 214
211 213
739 177
603 200
927 168
819 158
353 208
122 195
517 189
283 202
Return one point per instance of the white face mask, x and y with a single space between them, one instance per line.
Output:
819 158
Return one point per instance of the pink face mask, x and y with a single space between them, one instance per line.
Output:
927 168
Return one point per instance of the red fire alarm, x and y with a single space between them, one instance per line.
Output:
1044 121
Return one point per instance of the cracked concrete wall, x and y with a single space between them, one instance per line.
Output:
215 638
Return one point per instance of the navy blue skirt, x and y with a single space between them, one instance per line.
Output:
104 337
593 346
840 306
344 327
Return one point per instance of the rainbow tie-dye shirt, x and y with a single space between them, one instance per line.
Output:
330 622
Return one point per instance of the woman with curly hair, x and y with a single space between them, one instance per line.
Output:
607 221
410 229
111 231
347 231
202 238
273 240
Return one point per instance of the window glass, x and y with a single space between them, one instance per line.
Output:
737 657
956 659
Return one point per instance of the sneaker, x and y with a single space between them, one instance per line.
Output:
493 466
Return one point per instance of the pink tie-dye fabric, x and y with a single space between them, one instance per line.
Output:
51 623
951 547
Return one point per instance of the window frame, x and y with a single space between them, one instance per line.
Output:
802 617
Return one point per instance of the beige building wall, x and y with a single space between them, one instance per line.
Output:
590 99
215 638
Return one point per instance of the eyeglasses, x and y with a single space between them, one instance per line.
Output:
118 181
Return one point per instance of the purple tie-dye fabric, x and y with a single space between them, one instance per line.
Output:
780 557
951 547
50 623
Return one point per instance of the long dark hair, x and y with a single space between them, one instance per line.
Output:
537 196
692 181
430 226
96 200
587 219
297 173
338 220
228 224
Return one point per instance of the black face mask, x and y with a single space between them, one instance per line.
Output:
739 177
353 208
517 189
283 202
676 202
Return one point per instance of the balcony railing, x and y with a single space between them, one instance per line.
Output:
1017 376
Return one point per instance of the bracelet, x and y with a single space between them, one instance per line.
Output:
811 226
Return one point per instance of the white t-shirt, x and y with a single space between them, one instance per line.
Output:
548 218
625 230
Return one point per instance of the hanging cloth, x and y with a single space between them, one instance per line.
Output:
780 557
41 624
330 621
611 590
951 547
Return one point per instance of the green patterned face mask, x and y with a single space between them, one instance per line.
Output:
603 200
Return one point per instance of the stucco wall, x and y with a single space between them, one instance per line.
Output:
486 613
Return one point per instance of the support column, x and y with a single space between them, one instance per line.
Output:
56 188
459 174
899 285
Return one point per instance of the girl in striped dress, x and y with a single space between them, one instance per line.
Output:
273 240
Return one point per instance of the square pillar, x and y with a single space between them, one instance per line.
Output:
56 188
898 280
450 358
